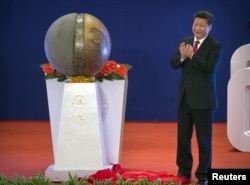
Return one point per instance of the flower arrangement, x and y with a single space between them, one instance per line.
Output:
51 72
110 71
113 71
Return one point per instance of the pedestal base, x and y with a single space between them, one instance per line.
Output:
63 175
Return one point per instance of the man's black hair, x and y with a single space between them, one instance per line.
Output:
203 14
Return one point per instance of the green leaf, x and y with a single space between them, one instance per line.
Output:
61 78
50 76
128 66
39 179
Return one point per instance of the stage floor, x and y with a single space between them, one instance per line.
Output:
26 148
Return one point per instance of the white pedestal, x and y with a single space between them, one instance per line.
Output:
113 97
79 144
238 117
54 95
240 59
238 103
67 123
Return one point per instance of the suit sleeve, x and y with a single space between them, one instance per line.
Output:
175 61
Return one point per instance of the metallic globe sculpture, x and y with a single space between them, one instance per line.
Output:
77 45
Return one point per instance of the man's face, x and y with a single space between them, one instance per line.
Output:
200 28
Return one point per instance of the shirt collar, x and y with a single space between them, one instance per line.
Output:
200 40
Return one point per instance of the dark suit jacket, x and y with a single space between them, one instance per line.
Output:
198 76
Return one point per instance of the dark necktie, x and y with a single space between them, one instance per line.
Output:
195 48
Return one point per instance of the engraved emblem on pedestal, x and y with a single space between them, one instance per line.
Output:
79 117
79 101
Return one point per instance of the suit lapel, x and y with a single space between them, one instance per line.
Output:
203 45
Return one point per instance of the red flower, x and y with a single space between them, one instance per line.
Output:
47 68
121 70
111 64
58 73
51 72
110 71
113 71
108 68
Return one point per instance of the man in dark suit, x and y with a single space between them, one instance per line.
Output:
198 57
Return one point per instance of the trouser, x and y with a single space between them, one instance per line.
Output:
202 120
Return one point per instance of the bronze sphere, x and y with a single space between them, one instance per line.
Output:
77 44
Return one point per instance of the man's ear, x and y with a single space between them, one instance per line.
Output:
210 27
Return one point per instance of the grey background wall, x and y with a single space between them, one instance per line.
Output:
144 34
